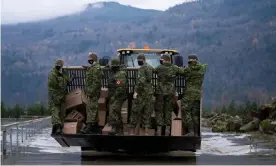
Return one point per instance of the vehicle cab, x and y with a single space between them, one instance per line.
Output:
128 56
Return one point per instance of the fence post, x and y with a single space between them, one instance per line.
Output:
30 131
22 133
11 140
4 141
17 139
30 128
33 128
26 130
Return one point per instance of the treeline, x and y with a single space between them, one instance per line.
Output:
233 109
18 111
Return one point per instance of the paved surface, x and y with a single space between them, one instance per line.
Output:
75 159
217 149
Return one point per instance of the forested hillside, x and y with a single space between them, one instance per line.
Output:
237 39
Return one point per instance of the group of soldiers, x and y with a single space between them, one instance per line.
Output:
145 99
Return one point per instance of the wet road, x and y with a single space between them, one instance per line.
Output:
216 149
75 159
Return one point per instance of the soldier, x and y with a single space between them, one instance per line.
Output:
165 91
57 90
143 104
93 89
116 95
194 75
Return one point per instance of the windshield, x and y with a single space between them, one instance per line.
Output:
152 59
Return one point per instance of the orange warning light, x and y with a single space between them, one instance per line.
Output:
146 47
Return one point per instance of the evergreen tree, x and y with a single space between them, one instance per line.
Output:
224 109
3 110
232 108
254 106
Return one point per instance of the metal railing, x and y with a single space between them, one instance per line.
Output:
254 142
15 134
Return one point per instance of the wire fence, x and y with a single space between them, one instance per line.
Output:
14 135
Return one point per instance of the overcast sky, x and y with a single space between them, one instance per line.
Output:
13 11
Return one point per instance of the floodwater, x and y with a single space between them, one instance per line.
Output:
216 149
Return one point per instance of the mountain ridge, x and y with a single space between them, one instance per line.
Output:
230 38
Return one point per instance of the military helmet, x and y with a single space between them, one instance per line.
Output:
59 62
166 57
141 56
192 56
92 56
115 62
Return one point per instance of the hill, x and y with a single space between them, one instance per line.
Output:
235 38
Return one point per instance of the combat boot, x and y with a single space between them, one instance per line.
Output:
114 130
190 131
159 130
167 130
54 128
131 131
90 128
57 129
121 129
190 134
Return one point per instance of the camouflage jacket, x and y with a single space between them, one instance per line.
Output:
194 75
93 80
166 75
57 86
117 84
144 85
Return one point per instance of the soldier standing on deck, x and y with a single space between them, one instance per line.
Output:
57 90
165 91
143 103
116 95
92 89
194 75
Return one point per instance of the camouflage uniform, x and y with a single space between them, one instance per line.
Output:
116 96
92 89
57 90
143 104
194 75
165 91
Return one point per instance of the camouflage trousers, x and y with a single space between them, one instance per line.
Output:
163 109
142 109
92 110
190 114
58 113
115 107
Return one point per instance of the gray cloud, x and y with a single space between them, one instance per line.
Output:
14 11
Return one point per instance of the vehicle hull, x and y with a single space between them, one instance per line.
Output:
130 144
